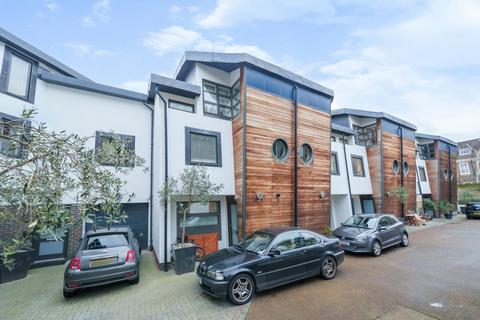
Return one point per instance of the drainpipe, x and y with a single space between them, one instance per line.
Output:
401 164
152 112
348 174
295 157
165 208
449 176
244 150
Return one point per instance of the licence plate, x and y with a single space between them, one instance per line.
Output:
345 243
103 262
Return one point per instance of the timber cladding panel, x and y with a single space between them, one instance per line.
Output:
269 117
391 152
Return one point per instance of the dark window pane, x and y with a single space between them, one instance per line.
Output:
19 77
334 164
181 106
225 112
106 241
209 87
211 108
280 149
224 91
357 165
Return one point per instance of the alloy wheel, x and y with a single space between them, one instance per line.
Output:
405 240
242 289
329 268
377 249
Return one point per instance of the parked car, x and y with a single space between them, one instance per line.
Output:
472 210
105 256
266 259
371 233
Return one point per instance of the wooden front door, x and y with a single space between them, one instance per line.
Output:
208 241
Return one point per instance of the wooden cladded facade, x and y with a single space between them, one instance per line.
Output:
268 117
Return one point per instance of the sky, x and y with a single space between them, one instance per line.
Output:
418 60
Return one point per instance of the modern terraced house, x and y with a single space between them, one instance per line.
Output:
268 134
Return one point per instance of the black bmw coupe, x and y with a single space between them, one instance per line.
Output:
266 259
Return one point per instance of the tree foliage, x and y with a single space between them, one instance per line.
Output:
41 170
192 185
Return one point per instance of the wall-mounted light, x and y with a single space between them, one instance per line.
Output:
277 195
387 194
322 194
260 196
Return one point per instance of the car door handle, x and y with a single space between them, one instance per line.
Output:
303 252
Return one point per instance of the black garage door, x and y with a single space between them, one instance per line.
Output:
137 220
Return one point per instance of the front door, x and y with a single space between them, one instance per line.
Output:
232 221
202 224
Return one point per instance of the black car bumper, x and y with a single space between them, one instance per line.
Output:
215 288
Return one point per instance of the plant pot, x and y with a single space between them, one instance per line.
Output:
184 258
20 270
448 215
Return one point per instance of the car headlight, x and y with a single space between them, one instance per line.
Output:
215 275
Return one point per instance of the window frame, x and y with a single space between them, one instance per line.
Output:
99 134
239 96
334 154
405 168
423 178
218 95
201 229
188 146
182 103
464 151
287 233
363 166
462 172
6 71
26 124
287 154
308 161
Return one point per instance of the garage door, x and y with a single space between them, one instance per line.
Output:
137 220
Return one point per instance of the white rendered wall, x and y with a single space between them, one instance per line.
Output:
341 210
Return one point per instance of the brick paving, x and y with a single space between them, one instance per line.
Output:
159 295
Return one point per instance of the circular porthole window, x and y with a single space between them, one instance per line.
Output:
395 167
445 174
306 153
280 150
406 168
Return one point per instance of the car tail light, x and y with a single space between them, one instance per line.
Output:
130 256
75 264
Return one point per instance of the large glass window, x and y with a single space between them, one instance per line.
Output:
365 136
16 78
188 107
357 165
115 149
288 241
334 169
236 98
203 147
201 217
464 168
12 136
426 151
217 100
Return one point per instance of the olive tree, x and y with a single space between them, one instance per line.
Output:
192 185
41 170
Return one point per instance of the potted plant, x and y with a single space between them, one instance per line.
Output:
446 208
15 259
192 185
429 207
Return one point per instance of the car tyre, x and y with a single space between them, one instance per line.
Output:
68 294
329 268
405 240
137 279
376 248
469 216
241 289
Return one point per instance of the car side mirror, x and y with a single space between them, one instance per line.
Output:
274 252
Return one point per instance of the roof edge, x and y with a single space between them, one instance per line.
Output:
373 114
339 128
435 137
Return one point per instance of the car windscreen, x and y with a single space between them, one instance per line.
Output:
103 241
256 242
361 222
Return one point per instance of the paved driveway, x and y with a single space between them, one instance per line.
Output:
159 295
438 276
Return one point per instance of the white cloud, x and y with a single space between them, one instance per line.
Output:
51 5
416 69
135 85
100 14
178 39
86 50
228 13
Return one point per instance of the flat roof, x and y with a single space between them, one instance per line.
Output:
231 61
165 84
91 86
433 137
37 54
373 114
342 129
